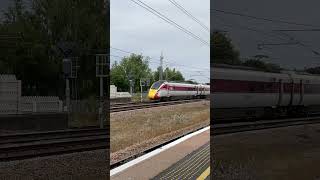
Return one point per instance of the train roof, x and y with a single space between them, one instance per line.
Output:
236 67
252 75
182 82
227 66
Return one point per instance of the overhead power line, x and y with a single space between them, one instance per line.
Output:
300 43
292 41
157 60
189 14
169 21
121 57
266 34
154 62
296 30
262 18
121 50
276 44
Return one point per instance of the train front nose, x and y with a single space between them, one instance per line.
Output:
152 94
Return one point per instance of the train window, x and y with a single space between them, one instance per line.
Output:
156 85
164 87
262 86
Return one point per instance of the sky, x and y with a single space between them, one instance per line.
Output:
246 41
4 4
134 29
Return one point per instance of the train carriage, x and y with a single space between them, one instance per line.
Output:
165 90
250 93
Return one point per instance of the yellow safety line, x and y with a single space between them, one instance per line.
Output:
205 174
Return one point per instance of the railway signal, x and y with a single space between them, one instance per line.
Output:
70 69
102 68
143 82
67 68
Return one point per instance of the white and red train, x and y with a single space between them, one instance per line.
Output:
165 90
251 93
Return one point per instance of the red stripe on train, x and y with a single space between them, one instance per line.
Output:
239 86
181 88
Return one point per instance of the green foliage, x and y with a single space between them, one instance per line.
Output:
222 50
191 82
132 68
315 70
136 67
35 58
169 74
258 63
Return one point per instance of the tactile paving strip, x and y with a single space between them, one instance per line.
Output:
190 167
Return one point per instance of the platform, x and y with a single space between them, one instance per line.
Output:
194 166
178 154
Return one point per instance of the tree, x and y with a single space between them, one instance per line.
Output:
132 68
169 74
314 70
257 62
191 82
222 51
35 58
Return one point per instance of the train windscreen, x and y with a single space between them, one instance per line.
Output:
156 85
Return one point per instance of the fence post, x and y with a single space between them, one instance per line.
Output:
34 106
18 97
60 106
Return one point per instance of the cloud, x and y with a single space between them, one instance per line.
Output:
137 30
246 41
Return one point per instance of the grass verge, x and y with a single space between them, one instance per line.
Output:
134 127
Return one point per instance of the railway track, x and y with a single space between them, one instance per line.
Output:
227 128
219 129
29 145
133 106
134 156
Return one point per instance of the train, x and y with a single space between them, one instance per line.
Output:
239 92
165 91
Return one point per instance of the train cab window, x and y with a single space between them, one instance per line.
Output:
251 87
156 85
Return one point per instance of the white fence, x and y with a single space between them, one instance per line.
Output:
114 94
10 94
32 104
11 101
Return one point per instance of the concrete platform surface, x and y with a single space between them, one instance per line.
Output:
196 145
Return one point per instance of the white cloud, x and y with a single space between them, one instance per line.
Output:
137 30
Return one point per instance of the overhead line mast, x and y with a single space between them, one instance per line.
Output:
161 67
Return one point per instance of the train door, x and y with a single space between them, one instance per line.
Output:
291 92
201 91
168 90
280 92
197 89
301 92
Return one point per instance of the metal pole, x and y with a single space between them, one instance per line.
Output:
101 102
67 95
167 74
130 82
161 69
141 91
